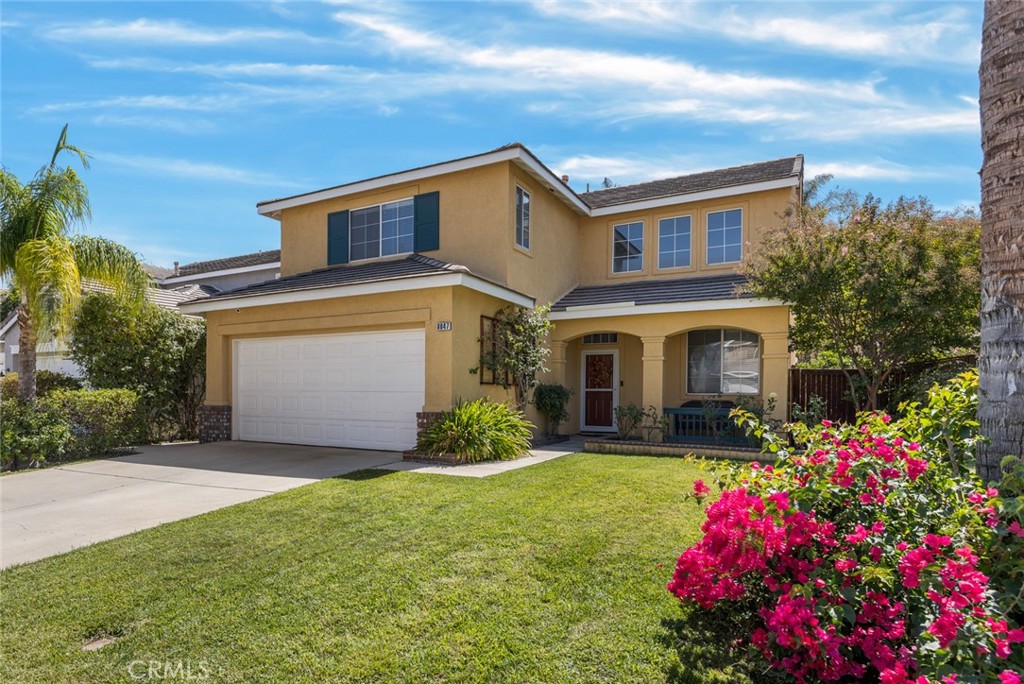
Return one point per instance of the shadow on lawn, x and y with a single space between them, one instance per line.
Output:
367 474
701 639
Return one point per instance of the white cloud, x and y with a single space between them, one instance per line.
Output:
879 169
159 32
184 168
940 34
198 103
623 170
158 123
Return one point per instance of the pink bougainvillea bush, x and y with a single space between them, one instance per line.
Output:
863 555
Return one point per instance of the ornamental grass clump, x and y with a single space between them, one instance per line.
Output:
480 430
865 557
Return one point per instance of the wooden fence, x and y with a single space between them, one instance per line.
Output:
833 386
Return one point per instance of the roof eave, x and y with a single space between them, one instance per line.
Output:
400 284
633 309
686 198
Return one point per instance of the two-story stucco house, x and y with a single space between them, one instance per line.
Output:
387 283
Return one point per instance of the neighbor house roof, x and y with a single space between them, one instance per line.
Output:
268 257
157 271
779 173
777 169
413 272
654 292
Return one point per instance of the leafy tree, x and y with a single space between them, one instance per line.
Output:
1001 402
47 264
520 348
888 286
9 301
159 354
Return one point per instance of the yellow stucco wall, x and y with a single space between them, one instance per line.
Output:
760 211
474 215
548 270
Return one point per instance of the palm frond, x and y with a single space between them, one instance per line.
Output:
47 275
112 265
63 146
14 224
60 200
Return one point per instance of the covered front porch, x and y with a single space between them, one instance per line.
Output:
674 364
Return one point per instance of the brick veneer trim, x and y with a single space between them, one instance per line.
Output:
214 424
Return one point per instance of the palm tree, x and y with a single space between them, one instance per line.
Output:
1001 361
47 263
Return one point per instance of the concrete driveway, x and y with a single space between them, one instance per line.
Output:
51 511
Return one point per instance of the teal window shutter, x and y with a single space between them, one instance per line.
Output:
337 238
427 228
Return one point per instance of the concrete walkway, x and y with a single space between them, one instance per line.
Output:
538 455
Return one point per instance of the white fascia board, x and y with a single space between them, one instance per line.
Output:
174 280
630 309
272 207
517 154
381 287
695 196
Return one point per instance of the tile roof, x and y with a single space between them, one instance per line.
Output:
165 298
411 266
777 169
157 271
655 292
269 256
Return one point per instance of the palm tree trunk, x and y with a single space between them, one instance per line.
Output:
1001 361
26 356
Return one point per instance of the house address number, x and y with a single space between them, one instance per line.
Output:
443 326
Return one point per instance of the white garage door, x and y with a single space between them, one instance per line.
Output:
359 390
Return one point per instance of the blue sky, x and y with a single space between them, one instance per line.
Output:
195 111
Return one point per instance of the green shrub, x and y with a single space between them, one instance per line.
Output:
31 434
46 382
101 421
480 430
552 401
628 418
9 386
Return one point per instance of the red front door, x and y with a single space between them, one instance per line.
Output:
598 390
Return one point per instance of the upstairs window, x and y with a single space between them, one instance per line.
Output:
628 247
723 362
382 230
674 242
522 218
725 236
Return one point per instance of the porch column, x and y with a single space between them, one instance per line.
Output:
556 361
654 372
775 370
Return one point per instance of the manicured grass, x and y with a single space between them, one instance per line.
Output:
553 573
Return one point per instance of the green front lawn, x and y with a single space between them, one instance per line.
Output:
553 573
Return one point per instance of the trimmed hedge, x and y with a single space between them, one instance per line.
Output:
67 425
102 421
46 382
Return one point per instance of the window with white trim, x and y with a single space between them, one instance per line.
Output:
382 230
725 236
674 242
628 247
723 361
522 218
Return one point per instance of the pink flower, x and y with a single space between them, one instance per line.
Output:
846 565
915 468
700 489
1016 529
1009 677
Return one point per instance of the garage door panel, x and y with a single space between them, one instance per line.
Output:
359 390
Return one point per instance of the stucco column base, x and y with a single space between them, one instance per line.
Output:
654 377
775 362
